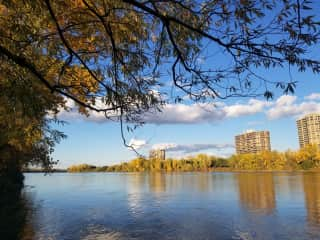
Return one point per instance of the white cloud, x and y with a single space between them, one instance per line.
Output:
178 113
189 148
185 114
204 113
72 112
252 107
287 106
137 143
164 146
285 100
284 106
313 96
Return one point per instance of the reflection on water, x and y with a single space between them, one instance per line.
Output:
173 206
311 186
15 213
256 191
157 182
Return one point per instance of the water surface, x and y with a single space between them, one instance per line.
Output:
173 206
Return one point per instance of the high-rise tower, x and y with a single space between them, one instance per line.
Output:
253 142
309 129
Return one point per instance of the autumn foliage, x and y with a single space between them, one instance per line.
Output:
304 159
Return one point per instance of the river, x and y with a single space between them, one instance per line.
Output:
86 206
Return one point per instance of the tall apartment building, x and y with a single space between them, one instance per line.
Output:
253 142
309 129
157 154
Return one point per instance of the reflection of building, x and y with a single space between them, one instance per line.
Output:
256 191
158 154
311 185
253 142
157 182
309 129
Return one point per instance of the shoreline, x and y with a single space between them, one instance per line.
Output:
209 171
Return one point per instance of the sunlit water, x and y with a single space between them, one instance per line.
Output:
173 206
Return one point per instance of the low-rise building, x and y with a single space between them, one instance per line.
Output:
157 154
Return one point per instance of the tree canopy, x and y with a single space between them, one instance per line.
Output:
109 55
26 135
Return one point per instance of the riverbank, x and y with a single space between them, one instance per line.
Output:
265 170
307 158
223 170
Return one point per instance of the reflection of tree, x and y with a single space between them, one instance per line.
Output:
311 185
203 182
157 182
256 191
15 212
173 182
136 182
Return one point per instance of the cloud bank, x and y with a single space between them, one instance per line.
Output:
287 106
283 107
313 96
189 148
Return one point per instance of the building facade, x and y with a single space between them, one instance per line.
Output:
309 129
253 142
157 154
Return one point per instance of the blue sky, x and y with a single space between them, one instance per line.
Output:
95 140
188 126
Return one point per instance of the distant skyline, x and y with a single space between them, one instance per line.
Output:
190 127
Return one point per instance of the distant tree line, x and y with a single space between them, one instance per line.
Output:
303 159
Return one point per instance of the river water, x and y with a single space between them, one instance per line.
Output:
172 206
